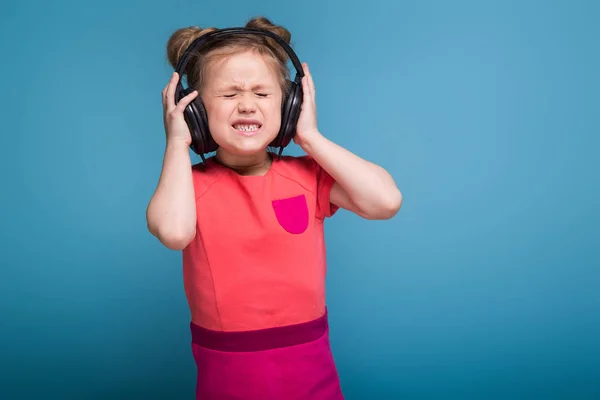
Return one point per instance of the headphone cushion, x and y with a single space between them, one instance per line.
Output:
191 117
290 114
197 121
208 142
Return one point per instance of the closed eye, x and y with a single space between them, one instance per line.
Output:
262 94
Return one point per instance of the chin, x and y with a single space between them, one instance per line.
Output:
245 145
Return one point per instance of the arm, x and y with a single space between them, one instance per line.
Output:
360 186
171 213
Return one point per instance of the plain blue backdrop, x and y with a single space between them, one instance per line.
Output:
485 285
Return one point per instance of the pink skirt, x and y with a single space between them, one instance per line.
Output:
288 363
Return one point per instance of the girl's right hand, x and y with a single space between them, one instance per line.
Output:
175 126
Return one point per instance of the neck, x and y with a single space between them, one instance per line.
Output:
255 164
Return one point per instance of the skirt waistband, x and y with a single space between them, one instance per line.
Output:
260 339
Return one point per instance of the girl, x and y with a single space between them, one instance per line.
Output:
250 224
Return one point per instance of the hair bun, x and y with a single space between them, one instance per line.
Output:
180 40
265 24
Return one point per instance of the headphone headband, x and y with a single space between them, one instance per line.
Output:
220 33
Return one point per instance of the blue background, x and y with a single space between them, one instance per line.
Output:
485 285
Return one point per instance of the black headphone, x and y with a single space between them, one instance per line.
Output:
195 113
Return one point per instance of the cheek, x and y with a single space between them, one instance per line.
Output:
274 112
217 114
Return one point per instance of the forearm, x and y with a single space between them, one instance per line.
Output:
171 213
370 188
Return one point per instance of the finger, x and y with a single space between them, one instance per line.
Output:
183 103
305 77
308 96
166 88
311 85
163 95
307 73
171 89
309 82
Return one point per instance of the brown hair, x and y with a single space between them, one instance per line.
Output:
263 45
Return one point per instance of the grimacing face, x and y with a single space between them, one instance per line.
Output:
242 97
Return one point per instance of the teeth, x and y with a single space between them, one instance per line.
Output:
246 128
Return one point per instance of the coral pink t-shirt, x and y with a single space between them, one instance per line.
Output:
258 258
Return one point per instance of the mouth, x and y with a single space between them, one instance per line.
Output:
247 128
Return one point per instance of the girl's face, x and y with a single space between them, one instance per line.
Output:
243 101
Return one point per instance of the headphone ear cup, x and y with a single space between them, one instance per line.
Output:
289 116
208 144
197 121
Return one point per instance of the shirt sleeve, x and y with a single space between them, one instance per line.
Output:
325 208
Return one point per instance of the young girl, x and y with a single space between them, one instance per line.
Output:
250 223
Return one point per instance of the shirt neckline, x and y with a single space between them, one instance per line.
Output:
213 160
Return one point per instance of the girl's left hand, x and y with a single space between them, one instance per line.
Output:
306 129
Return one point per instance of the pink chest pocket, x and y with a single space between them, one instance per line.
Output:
292 213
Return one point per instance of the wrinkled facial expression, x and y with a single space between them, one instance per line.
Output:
242 97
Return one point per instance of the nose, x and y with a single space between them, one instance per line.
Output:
246 105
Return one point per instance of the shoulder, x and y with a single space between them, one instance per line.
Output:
300 169
205 176
306 172
303 165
